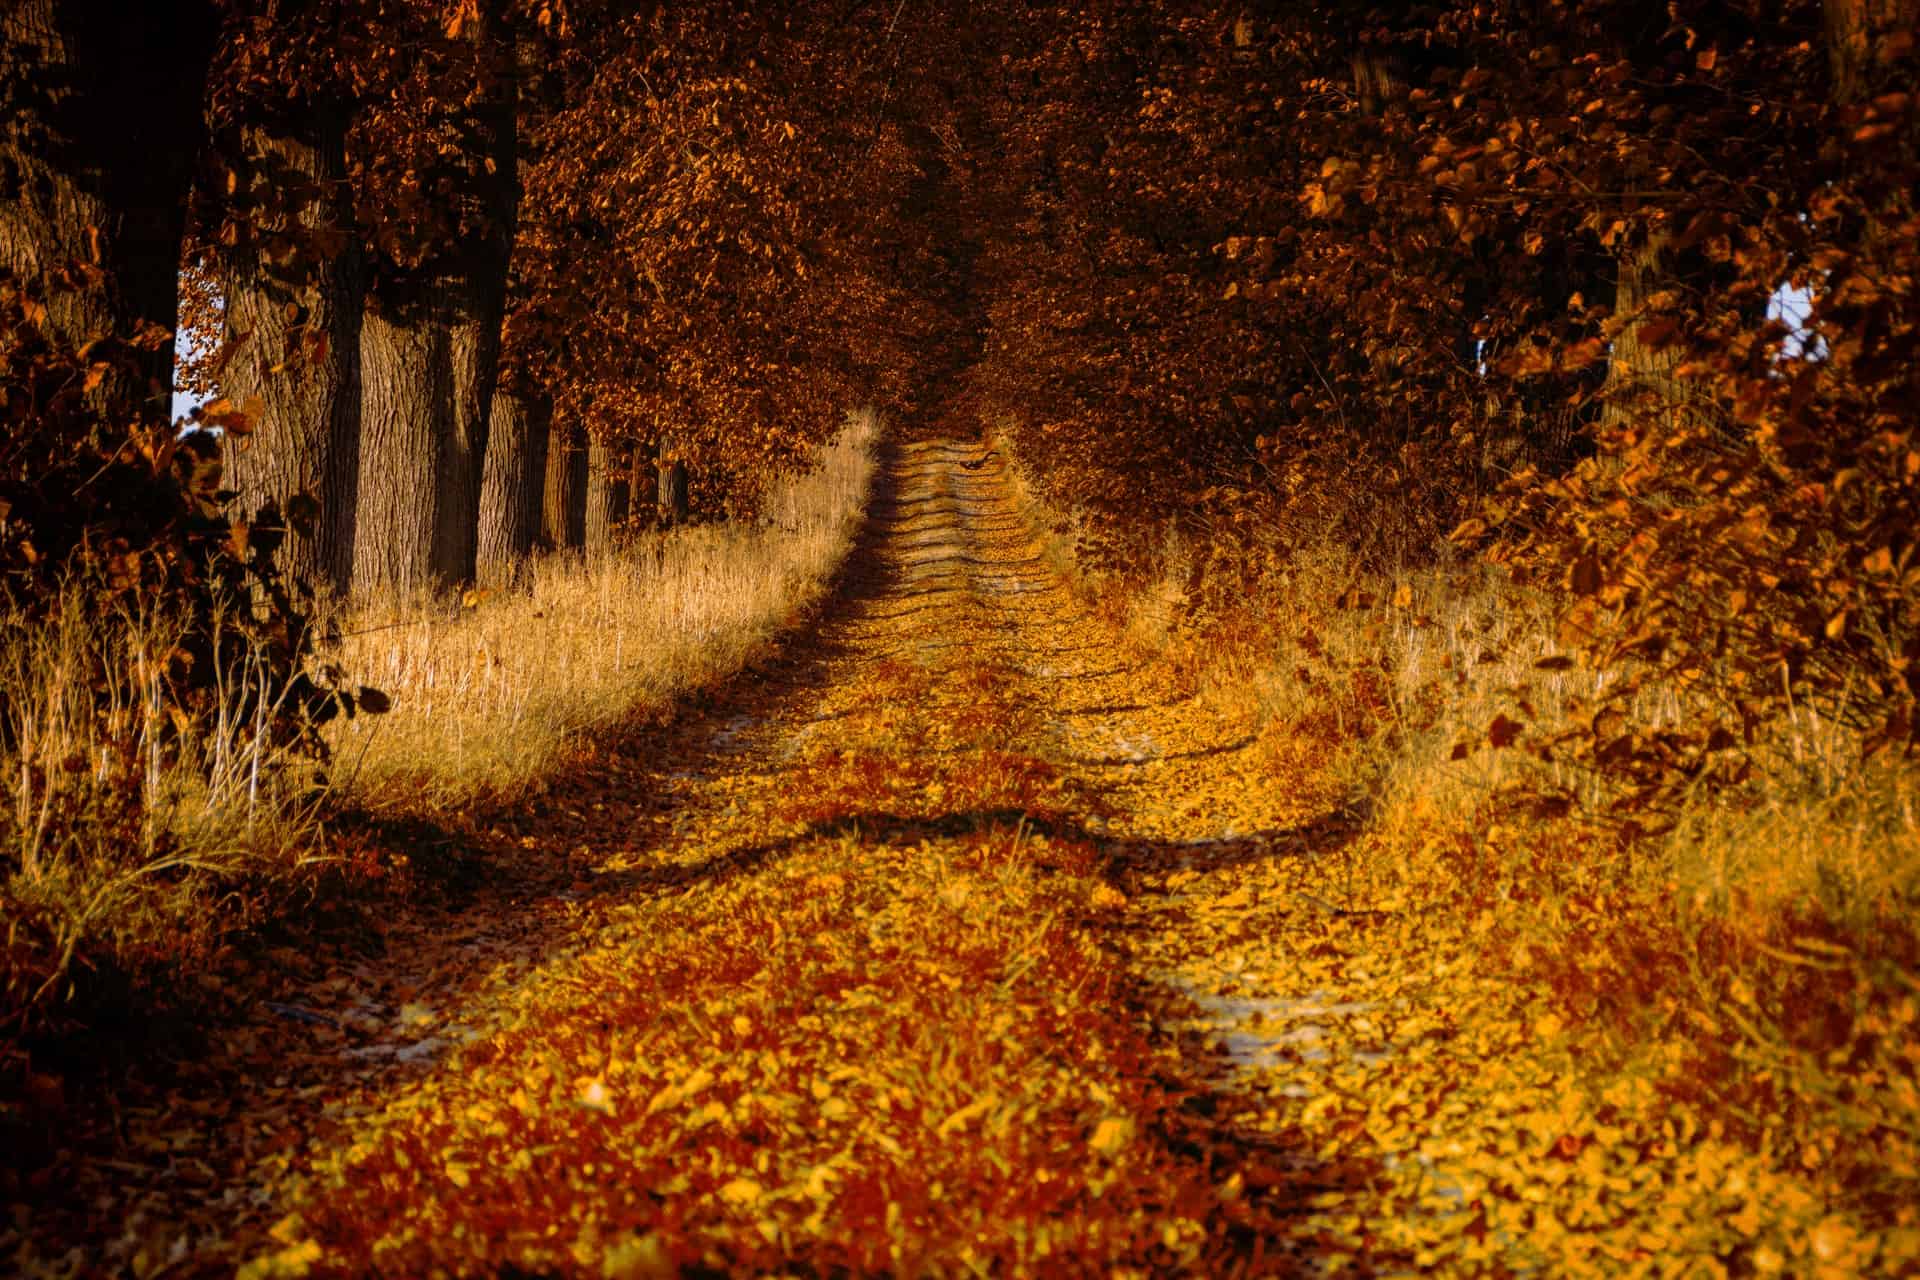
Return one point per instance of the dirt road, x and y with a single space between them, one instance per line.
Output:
891 960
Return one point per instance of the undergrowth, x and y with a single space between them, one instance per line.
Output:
129 825
138 841
1744 961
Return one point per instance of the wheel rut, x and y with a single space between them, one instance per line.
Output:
877 964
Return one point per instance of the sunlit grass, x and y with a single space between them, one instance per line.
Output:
122 813
487 698
1752 956
134 838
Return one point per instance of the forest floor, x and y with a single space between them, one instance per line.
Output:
950 940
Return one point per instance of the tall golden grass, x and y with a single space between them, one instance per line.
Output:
120 816
486 698
125 828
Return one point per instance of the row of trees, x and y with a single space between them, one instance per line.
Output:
645 233
464 273
1378 273
1505 270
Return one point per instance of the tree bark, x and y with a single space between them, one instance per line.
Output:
478 304
100 124
406 415
512 491
294 344
564 513
1640 381
607 494
1857 31
430 357
643 482
672 490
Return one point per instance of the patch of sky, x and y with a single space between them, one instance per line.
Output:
186 341
1791 305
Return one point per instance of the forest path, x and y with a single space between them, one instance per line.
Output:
926 949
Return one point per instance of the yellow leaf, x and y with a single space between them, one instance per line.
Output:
965 1115
291 1262
1831 1238
594 1097
1111 1136
741 1191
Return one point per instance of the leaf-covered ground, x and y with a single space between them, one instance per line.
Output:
954 941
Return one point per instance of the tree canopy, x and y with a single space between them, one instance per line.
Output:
1374 274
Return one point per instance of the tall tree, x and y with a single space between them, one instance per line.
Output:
643 482
563 520
607 493
441 180
100 125
292 279
406 414
670 492
479 291
513 490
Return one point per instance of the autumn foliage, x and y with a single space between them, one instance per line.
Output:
1501 415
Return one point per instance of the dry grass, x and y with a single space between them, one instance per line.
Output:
486 699
1394 678
119 817
133 840
1407 684
1759 961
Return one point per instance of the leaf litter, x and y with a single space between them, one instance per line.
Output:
891 973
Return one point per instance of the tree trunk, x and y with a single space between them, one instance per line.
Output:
564 513
1640 381
643 482
294 344
473 349
607 494
1857 32
100 124
430 357
477 305
406 415
672 490
512 492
